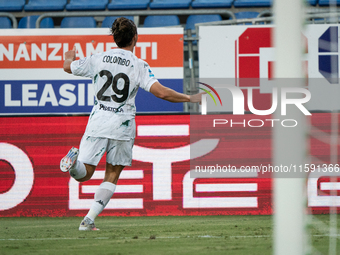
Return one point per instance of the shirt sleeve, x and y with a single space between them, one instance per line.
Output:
147 77
82 67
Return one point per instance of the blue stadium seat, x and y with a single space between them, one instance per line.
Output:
43 5
252 3
326 2
193 19
78 22
212 3
170 4
312 2
5 22
246 15
87 5
29 22
12 5
128 4
161 21
108 21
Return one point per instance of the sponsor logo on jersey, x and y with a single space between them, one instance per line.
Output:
151 74
111 109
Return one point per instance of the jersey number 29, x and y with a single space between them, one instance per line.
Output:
124 93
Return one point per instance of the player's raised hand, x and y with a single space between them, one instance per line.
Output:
69 57
197 98
71 54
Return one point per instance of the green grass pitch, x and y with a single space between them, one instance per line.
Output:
151 235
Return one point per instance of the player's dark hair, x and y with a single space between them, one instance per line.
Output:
123 30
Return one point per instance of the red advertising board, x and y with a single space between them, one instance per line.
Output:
47 51
157 183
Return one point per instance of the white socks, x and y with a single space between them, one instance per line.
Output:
101 198
78 170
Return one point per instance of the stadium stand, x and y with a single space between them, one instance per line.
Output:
29 22
328 2
108 21
170 4
87 5
161 21
212 3
252 3
78 22
43 5
128 5
5 22
12 6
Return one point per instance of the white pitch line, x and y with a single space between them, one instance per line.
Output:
79 238
259 236
143 237
45 239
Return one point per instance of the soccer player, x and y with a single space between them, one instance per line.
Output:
116 74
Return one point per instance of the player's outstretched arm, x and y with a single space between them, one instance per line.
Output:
70 56
171 95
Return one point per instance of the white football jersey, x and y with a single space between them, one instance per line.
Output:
116 74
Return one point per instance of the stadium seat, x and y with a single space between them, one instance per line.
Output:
11 5
246 15
161 21
212 3
252 3
87 5
29 22
327 2
43 5
5 22
128 4
312 2
108 21
78 22
193 19
170 4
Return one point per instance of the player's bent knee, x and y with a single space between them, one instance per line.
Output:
89 172
86 178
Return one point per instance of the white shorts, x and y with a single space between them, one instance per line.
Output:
118 152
